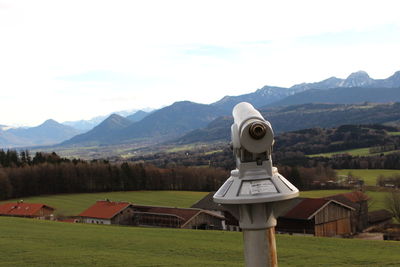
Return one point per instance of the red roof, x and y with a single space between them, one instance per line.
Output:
104 209
22 209
306 208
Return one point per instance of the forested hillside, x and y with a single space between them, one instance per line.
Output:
321 140
292 118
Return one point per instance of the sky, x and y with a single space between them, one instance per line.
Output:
72 60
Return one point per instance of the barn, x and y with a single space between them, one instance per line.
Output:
359 202
108 212
28 210
188 218
207 203
317 216
125 213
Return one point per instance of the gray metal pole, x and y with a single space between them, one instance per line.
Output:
260 248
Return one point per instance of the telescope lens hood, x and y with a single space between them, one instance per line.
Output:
257 130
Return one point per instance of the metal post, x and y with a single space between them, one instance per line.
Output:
257 222
260 248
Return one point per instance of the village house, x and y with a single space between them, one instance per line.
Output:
108 212
187 218
28 210
317 216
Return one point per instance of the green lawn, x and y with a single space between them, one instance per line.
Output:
29 242
369 176
73 204
321 193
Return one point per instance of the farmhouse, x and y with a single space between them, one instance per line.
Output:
188 218
317 216
29 210
229 223
108 212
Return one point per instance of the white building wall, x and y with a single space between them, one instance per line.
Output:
96 221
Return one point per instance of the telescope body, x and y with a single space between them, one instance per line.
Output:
255 193
254 180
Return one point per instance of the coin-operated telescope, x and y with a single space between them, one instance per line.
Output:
255 191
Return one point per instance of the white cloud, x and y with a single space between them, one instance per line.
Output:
179 49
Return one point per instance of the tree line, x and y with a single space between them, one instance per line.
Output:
48 173
319 177
54 175
13 158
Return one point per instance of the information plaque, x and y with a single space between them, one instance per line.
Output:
257 187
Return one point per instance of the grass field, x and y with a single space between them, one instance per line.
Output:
369 176
29 242
73 204
353 152
321 193
377 200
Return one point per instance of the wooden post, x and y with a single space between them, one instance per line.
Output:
270 232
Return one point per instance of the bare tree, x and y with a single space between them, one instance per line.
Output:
392 203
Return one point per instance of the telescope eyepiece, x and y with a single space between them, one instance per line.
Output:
257 130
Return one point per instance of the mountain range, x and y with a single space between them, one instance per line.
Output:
181 118
161 125
102 133
48 133
137 116
87 125
298 117
358 87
